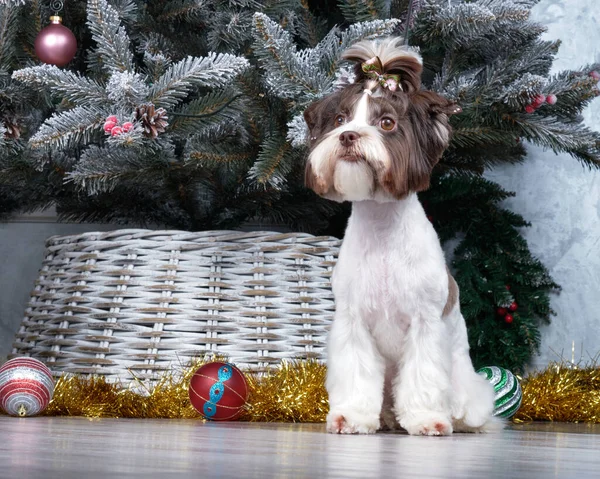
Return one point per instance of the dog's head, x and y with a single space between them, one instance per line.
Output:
380 137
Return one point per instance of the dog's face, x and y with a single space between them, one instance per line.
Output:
378 146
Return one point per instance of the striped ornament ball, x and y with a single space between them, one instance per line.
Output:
508 390
26 387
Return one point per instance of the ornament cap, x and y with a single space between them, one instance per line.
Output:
56 19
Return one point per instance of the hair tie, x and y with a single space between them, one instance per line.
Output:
373 69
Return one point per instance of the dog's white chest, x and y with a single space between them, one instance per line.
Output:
385 300
390 273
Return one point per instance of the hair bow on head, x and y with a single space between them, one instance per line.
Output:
373 69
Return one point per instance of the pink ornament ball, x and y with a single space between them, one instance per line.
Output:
112 118
26 387
529 108
127 126
116 131
595 75
55 44
109 125
551 99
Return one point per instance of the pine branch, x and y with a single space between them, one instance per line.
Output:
214 70
63 83
310 31
100 169
549 132
287 75
68 129
113 43
274 163
473 136
215 156
127 10
207 111
363 10
126 90
181 9
307 74
458 24
574 90
9 28
230 30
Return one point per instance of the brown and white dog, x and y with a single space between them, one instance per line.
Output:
398 347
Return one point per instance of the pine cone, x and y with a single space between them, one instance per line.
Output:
13 130
153 121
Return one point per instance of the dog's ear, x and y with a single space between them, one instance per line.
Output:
314 113
425 138
310 115
319 115
429 113
430 117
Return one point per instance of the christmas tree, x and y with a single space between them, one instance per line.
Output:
188 114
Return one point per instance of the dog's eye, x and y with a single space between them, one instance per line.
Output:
387 124
340 120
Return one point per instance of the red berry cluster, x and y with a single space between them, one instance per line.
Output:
505 313
539 100
112 127
595 75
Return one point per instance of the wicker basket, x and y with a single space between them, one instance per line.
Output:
132 303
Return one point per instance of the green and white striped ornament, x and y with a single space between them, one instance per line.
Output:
508 390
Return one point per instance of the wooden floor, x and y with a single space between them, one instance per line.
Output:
36 448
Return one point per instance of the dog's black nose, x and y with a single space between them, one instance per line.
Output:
348 137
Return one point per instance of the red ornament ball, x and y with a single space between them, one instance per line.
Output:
112 118
127 126
218 391
595 75
501 311
508 319
529 108
551 99
513 306
507 286
55 44
26 386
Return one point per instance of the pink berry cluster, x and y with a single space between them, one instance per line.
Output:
112 127
539 100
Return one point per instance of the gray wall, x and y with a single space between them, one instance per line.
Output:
21 254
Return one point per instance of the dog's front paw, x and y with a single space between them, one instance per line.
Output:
348 422
427 424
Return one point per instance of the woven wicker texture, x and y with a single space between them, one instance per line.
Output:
133 303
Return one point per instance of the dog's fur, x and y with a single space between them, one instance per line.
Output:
398 351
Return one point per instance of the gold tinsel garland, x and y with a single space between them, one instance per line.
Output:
295 392
562 392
